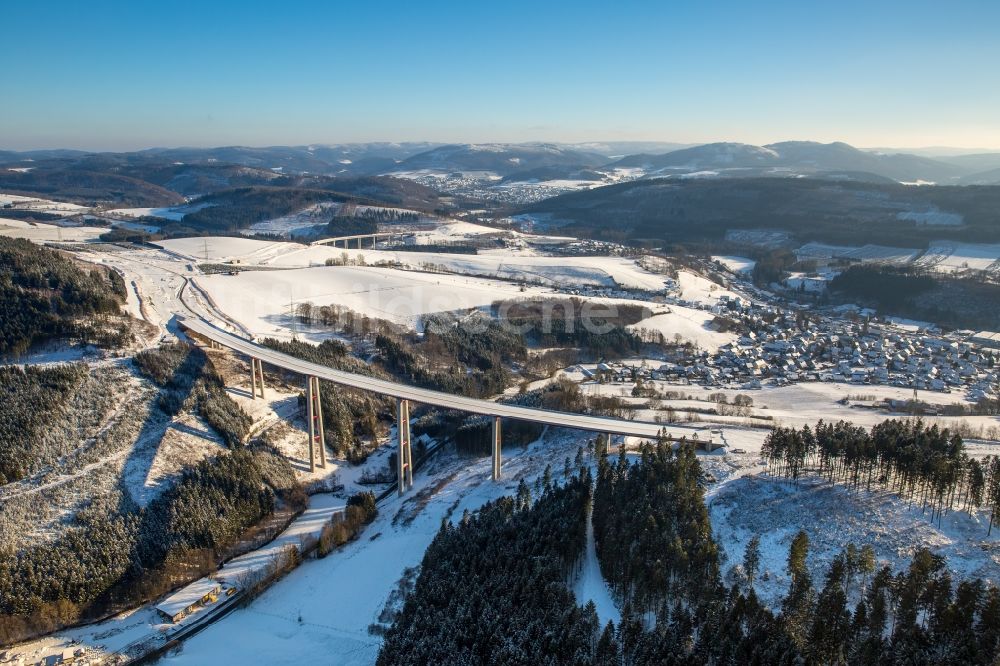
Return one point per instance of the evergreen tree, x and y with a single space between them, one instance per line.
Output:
751 559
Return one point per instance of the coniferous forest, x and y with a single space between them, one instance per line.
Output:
45 296
922 464
115 553
494 588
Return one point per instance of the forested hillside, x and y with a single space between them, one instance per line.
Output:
230 210
471 605
655 507
23 426
118 555
114 553
703 210
492 588
857 614
954 301
46 296
63 180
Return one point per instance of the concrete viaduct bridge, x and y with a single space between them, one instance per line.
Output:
374 238
404 395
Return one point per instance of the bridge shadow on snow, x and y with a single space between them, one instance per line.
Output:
160 418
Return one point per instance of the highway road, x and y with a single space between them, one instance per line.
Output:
600 424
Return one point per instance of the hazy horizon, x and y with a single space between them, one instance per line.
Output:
926 151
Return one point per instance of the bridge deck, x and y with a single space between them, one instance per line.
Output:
602 424
377 234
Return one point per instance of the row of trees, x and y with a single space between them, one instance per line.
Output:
597 331
924 464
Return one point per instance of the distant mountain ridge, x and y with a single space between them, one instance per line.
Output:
835 160
164 176
499 158
799 157
704 210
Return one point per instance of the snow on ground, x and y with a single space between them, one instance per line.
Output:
909 325
40 232
834 516
736 264
702 290
260 299
453 230
881 254
865 253
226 248
805 403
303 221
568 272
309 524
690 324
590 584
175 214
951 256
807 281
152 469
145 624
322 610
932 217
40 205
563 271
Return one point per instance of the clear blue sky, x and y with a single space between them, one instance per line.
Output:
140 73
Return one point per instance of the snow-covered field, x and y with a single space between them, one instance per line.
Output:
932 217
701 290
40 205
805 403
227 248
40 232
300 222
689 324
736 264
322 611
865 253
165 213
951 256
881 254
261 299
557 271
